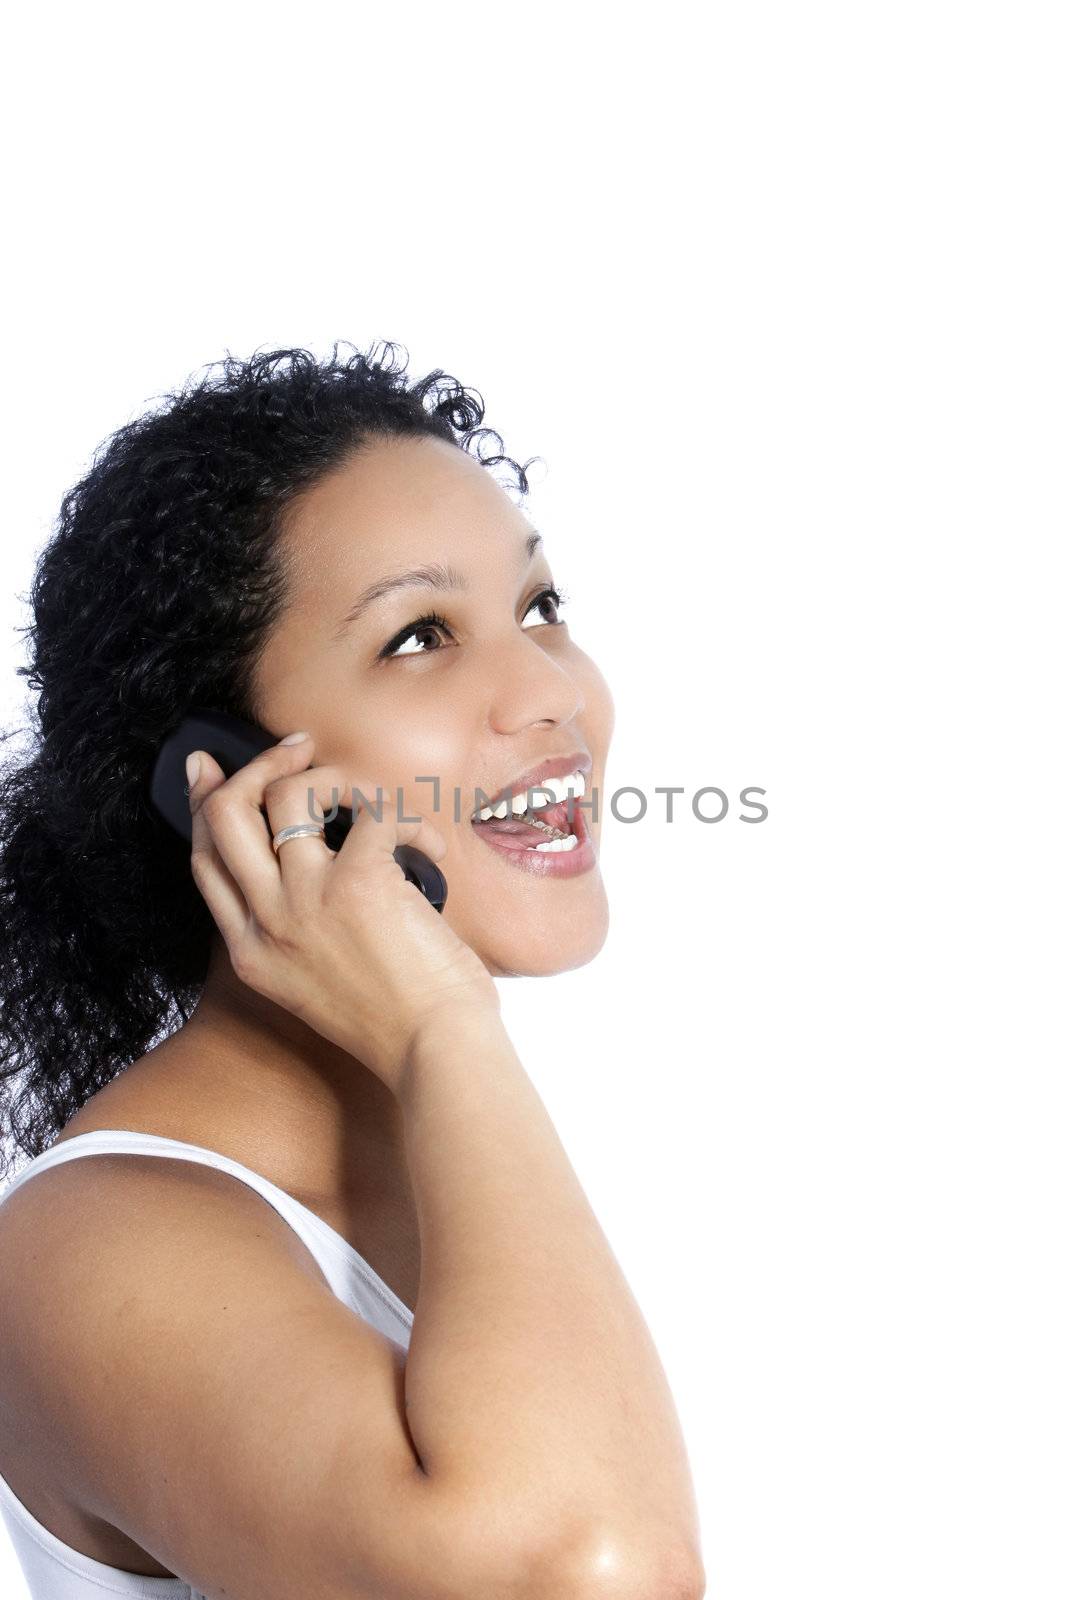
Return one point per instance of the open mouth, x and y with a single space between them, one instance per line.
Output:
545 819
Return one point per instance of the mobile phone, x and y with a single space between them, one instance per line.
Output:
233 742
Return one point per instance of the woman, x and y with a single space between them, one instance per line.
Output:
203 1394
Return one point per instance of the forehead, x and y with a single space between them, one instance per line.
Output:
397 502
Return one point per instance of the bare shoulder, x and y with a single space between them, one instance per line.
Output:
175 1350
49 1230
62 1227
198 1389
96 1243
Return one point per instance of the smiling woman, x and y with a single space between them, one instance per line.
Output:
417 1371
488 691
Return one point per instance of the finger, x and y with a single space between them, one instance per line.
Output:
314 795
211 875
375 834
239 830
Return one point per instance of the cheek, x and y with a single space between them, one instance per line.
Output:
395 743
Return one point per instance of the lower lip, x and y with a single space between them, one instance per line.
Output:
550 863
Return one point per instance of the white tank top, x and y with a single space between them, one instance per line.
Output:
53 1570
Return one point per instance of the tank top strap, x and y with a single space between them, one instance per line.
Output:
350 1277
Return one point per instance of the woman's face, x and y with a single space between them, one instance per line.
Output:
477 703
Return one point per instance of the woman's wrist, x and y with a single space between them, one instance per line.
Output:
459 1034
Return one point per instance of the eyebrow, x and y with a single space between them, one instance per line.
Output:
433 576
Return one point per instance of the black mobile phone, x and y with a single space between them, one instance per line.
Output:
232 742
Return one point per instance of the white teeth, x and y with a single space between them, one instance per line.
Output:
547 793
560 788
569 843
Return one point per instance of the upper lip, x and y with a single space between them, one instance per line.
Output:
555 767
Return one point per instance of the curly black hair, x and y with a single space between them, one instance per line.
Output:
155 593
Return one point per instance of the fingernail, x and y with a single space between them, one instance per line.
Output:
192 767
292 738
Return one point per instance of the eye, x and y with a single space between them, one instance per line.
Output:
553 599
415 633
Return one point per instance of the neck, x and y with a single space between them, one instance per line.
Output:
320 1114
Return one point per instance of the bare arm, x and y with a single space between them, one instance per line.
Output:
533 1392
531 1379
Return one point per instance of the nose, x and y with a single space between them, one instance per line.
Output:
530 686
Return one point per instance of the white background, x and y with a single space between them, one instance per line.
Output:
777 292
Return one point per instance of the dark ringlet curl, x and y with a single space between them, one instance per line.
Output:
155 593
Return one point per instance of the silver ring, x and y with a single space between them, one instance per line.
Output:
298 831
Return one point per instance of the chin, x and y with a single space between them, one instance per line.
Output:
541 950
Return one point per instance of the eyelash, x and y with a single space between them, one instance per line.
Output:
432 620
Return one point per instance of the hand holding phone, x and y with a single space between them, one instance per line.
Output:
335 937
233 742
